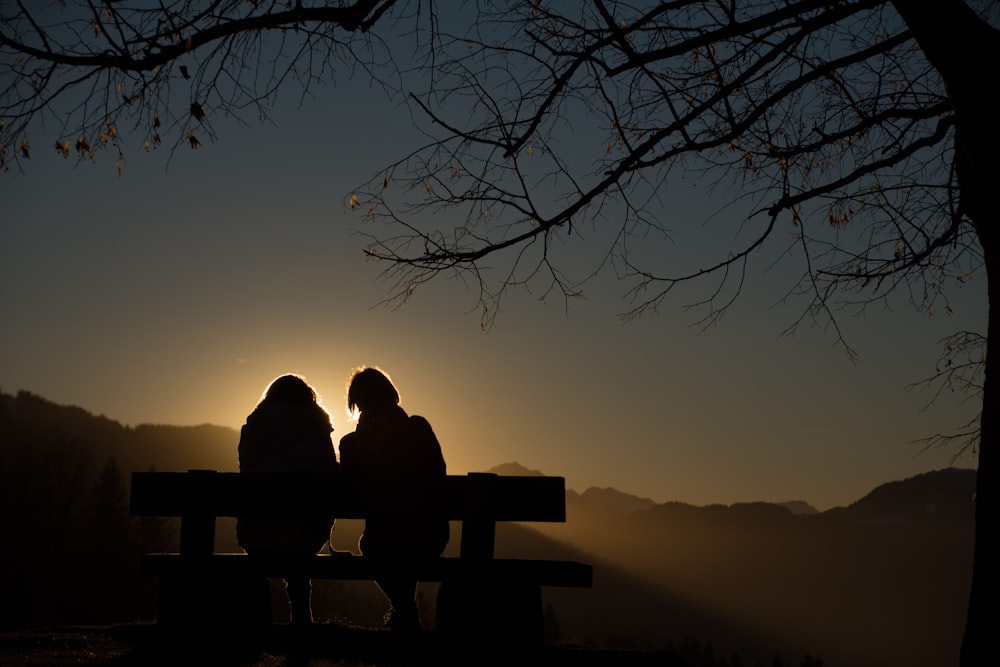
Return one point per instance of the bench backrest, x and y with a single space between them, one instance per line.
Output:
478 500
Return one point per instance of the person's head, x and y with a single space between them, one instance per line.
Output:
370 389
289 389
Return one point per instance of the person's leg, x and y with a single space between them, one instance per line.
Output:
401 594
255 597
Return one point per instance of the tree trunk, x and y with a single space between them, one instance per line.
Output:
983 619
965 51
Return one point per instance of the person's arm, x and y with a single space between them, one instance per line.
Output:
431 460
349 454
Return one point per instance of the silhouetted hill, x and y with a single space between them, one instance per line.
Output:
799 507
857 586
605 499
30 420
627 609
27 416
613 501
937 496
514 469
881 581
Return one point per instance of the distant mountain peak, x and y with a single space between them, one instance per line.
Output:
943 495
613 501
514 469
798 507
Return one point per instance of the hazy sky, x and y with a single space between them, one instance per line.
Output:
174 293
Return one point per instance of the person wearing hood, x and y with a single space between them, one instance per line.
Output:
288 431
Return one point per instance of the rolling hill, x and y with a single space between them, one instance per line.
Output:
883 580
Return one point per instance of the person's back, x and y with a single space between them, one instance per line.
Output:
388 443
288 431
397 446
285 437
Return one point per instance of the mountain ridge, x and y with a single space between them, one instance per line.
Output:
883 580
214 447
929 495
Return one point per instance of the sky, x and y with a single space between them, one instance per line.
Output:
174 293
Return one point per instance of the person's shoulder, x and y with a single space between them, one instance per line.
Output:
249 433
418 424
417 421
419 430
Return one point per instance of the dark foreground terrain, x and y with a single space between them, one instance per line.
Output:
322 645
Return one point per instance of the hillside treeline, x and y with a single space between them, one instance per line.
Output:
69 547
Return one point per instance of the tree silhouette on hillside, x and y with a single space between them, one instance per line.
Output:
67 533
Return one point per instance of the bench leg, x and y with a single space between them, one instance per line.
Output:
493 616
299 593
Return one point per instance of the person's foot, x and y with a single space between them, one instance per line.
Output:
405 620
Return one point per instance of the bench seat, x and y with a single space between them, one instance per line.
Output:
325 566
482 599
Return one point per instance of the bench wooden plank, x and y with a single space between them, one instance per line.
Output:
230 494
543 572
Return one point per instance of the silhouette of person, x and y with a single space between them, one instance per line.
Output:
288 431
389 443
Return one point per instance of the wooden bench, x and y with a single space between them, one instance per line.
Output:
481 585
